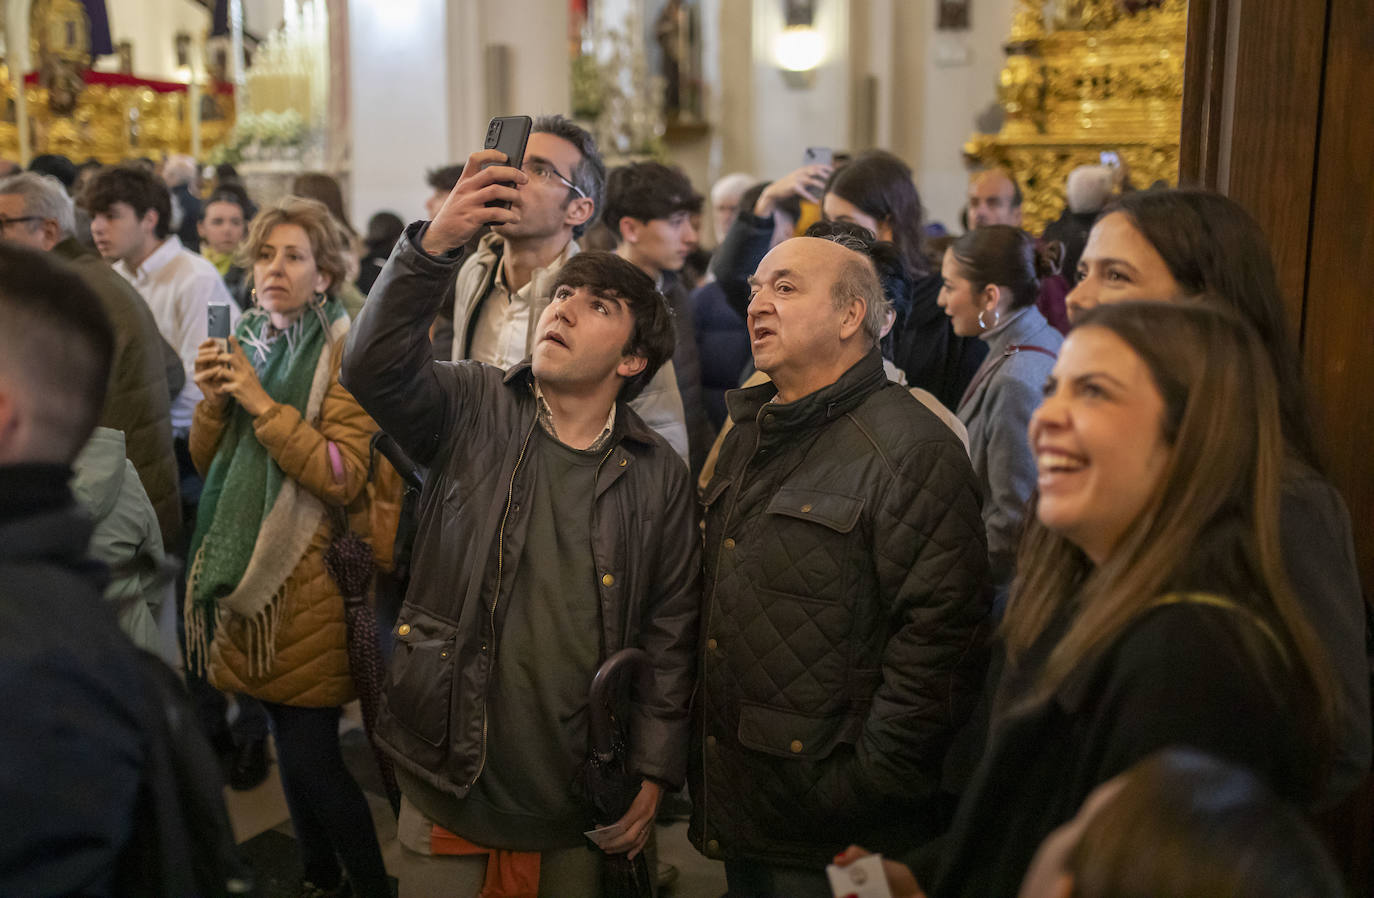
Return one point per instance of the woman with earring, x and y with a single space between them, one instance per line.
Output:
283 447
1193 246
1151 608
991 278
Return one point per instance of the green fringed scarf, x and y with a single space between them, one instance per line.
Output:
254 523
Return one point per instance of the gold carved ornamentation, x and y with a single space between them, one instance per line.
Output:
113 122
1081 77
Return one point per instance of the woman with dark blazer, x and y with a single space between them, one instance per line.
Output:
1194 246
1151 607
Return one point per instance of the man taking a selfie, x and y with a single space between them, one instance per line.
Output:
504 287
556 528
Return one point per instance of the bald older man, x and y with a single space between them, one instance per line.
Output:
845 562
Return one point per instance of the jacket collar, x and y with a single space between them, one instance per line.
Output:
1020 327
70 248
628 425
39 517
169 250
862 379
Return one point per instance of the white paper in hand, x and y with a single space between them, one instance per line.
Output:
862 879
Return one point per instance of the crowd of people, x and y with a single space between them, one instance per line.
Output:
1006 556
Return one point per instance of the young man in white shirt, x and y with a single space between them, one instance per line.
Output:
130 216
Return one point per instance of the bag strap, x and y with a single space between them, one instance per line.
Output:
1211 600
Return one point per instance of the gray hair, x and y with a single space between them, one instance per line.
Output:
44 197
731 185
178 170
1089 187
590 173
858 279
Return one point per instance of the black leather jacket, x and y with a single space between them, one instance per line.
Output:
845 568
471 424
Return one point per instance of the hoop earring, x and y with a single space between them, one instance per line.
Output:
982 325
253 294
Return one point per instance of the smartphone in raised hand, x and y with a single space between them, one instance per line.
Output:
509 134
818 156
217 324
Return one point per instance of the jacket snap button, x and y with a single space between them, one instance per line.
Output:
443 654
607 580
713 846
806 507
403 630
796 746
711 644
484 648
710 741
729 543
624 462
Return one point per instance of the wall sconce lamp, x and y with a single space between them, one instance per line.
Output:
799 48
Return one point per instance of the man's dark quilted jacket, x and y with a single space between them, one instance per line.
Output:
844 622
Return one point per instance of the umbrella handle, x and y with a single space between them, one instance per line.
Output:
411 473
600 727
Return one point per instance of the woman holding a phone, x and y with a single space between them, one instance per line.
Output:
279 441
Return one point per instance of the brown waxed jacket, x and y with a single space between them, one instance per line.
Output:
138 400
310 661
470 425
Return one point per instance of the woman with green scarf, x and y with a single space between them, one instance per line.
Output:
278 440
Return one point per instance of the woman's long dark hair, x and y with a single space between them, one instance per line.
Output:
1210 523
880 185
1215 249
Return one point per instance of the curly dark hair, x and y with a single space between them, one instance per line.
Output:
136 186
654 335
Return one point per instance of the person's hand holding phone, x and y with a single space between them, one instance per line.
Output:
465 210
807 182
208 374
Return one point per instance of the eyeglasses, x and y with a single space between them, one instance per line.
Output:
6 222
549 173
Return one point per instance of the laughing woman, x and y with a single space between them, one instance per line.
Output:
278 440
1150 607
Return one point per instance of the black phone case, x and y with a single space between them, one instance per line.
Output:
509 134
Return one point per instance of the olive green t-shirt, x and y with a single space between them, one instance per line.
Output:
547 653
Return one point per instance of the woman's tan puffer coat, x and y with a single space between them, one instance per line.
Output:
310 665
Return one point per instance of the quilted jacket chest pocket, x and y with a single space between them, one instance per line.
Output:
806 543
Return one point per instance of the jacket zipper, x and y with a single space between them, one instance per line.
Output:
496 598
706 629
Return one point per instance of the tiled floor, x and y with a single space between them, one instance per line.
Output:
263 829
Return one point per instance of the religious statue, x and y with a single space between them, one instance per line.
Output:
60 39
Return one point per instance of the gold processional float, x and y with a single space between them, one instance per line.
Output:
1085 77
107 116
1082 77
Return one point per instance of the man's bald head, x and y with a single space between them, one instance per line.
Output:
994 197
816 309
854 278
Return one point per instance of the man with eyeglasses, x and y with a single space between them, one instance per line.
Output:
502 289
